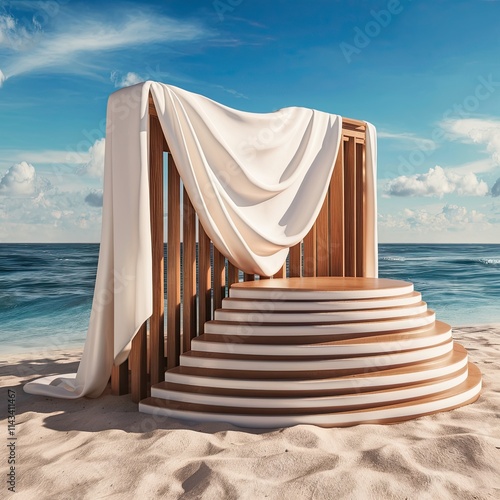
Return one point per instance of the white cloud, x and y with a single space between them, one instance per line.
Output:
126 80
437 182
452 218
95 165
75 38
476 131
19 180
408 140
2 78
15 36
53 215
44 156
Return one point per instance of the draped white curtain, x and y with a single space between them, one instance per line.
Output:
257 182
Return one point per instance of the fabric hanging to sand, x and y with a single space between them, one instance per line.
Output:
256 181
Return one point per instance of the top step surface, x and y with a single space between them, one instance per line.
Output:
320 288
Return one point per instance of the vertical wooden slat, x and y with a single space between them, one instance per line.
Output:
322 240
248 277
156 323
204 279
336 219
295 261
310 252
350 206
281 273
138 365
174 266
119 379
360 208
232 274
219 278
189 275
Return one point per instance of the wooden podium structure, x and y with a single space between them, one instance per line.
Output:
330 346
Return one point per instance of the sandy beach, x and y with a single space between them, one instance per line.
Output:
105 448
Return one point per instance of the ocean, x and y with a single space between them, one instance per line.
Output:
46 289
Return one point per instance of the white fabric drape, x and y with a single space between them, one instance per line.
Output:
257 182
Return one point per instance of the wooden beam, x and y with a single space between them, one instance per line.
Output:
119 379
281 272
138 365
350 207
336 216
323 240
310 253
360 209
174 266
189 275
204 279
232 274
295 261
156 324
219 278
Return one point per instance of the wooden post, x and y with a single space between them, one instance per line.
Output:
232 274
295 260
174 266
336 216
310 252
189 278
219 278
204 279
322 240
138 365
360 208
350 206
156 323
119 379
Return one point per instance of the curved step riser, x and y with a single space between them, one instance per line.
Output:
360 363
305 317
461 395
375 380
319 349
323 329
307 404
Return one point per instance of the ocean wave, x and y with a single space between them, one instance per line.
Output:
393 259
490 262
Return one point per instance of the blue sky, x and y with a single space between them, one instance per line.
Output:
425 73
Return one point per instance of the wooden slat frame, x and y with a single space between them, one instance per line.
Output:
338 233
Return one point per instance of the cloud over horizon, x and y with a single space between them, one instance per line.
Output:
485 131
451 217
437 182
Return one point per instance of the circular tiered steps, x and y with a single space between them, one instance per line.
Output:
323 351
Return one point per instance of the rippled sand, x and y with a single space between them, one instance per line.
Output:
104 448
